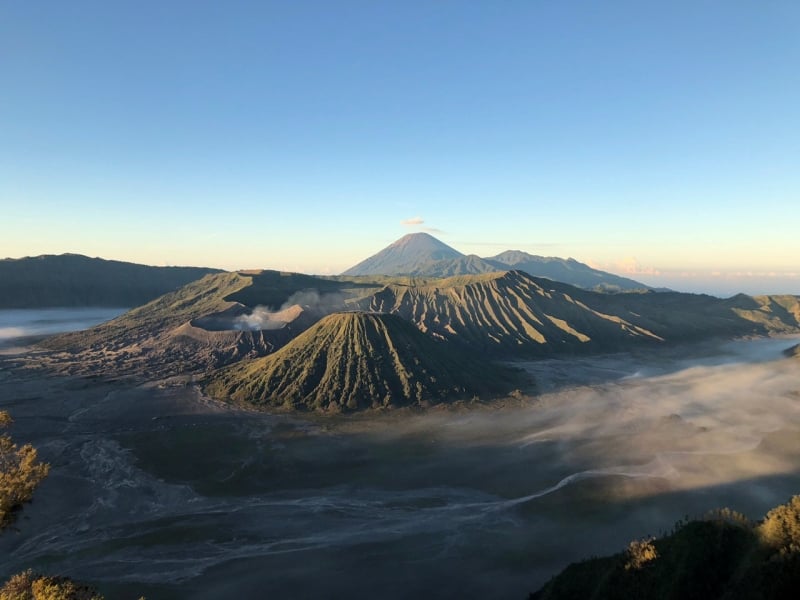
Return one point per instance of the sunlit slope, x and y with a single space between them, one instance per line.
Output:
355 360
506 312
515 313
777 313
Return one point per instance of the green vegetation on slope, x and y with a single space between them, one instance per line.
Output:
20 473
721 557
351 361
780 314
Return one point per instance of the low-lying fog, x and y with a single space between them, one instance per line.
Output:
16 324
159 492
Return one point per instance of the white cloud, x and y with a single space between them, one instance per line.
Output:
412 221
626 266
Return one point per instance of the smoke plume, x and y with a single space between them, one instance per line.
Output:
310 300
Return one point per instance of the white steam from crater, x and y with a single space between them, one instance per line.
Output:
265 318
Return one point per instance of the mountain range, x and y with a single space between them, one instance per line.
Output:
387 333
76 280
280 343
422 255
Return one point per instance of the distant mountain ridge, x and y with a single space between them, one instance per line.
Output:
67 280
568 271
422 255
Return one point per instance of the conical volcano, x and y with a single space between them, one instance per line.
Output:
356 360
412 253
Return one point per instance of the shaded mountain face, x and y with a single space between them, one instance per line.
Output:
422 255
412 254
464 265
567 271
355 360
69 280
793 352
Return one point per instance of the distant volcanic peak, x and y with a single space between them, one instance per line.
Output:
408 255
422 255
425 240
357 360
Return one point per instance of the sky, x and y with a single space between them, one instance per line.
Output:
658 140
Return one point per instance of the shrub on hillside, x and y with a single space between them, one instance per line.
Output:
781 528
31 586
20 473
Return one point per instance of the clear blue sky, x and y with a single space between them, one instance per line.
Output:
656 139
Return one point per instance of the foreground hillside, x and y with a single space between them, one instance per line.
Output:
722 557
355 360
75 280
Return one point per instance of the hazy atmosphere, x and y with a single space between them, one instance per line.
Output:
178 497
399 299
656 141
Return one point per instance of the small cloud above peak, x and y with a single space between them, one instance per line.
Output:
412 221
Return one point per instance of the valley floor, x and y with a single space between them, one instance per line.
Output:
156 490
